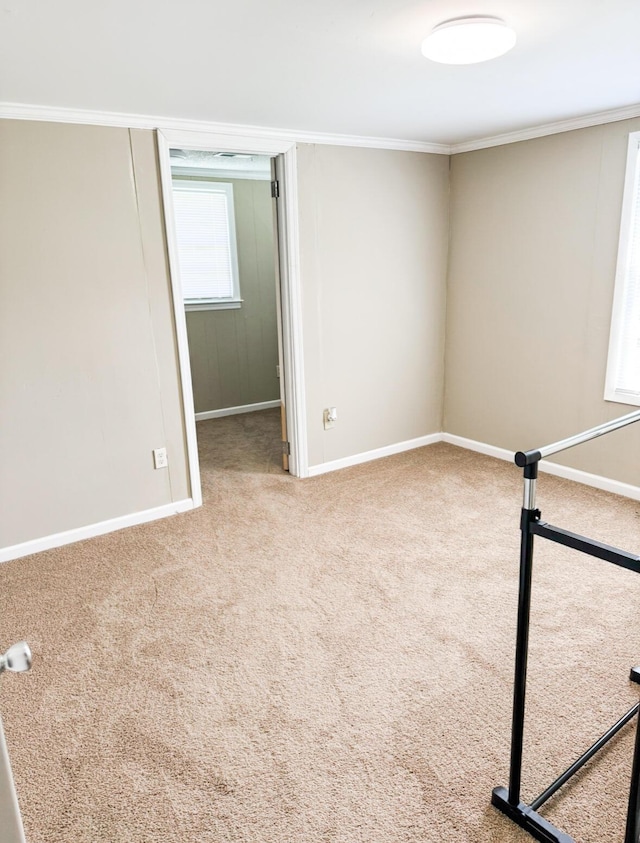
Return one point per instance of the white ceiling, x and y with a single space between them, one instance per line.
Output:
338 66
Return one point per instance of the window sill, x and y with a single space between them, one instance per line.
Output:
217 305
632 399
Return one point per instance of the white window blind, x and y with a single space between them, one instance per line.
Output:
623 371
205 232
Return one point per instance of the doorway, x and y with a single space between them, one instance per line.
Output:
239 343
226 238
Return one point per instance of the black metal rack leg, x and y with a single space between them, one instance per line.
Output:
632 833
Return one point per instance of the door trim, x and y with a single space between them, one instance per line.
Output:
290 284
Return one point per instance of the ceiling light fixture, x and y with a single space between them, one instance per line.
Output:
468 40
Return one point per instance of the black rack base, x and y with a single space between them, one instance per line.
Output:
524 816
527 816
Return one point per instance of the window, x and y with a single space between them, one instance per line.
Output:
207 251
623 368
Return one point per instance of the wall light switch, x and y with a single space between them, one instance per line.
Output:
160 459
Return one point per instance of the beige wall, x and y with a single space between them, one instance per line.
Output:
88 374
90 385
234 353
89 381
532 261
373 241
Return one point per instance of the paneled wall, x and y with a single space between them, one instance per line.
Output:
89 382
88 366
373 242
534 241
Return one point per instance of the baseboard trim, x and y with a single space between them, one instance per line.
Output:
376 454
234 411
90 531
584 477
479 447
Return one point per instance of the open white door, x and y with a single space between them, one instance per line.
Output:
17 659
11 830
282 373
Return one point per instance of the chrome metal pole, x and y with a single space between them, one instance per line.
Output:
527 457
529 496
592 433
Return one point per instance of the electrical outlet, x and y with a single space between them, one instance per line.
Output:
160 459
329 417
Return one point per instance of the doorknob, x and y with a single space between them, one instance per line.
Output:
17 658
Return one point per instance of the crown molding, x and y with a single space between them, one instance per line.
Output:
584 122
22 111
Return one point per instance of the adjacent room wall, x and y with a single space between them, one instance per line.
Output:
534 240
88 373
234 353
373 244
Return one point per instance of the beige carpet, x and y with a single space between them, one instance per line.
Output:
323 661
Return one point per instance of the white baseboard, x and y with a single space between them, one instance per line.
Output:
69 536
595 480
91 530
234 411
376 454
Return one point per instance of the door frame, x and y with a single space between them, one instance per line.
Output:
290 283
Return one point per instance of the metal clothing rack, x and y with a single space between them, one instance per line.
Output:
507 800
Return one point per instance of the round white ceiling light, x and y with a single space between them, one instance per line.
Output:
468 40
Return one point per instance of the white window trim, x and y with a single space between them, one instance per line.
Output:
214 304
210 186
632 174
